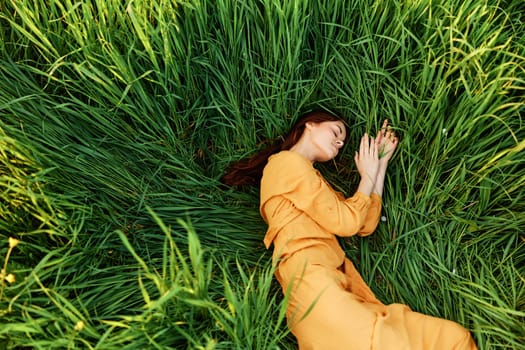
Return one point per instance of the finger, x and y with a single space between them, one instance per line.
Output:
378 139
373 148
385 127
394 136
368 144
391 134
365 143
380 135
361 149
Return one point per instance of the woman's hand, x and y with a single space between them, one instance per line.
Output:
387 142
367 162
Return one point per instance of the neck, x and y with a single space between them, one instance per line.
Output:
301 148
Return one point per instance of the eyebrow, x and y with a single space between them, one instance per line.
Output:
340 130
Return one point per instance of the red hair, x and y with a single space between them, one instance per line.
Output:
248 171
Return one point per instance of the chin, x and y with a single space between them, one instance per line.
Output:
333 154
327 157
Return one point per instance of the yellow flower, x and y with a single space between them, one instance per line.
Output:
79 326
10 278
13 242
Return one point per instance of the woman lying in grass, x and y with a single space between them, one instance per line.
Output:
330 306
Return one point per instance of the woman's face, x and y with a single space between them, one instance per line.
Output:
326 139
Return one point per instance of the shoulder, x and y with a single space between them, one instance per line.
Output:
287 171
289 160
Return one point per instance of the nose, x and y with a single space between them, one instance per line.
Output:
339 143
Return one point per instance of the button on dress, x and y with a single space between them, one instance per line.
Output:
330 307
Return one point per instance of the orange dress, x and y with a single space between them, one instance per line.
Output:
330 307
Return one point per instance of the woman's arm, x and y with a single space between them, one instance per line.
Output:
291 176
386 142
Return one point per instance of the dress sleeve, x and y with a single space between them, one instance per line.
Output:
372 217
294 178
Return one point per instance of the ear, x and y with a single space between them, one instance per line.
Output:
309 125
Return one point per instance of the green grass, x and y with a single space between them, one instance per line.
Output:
118 118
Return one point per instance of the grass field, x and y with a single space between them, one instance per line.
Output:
117 119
